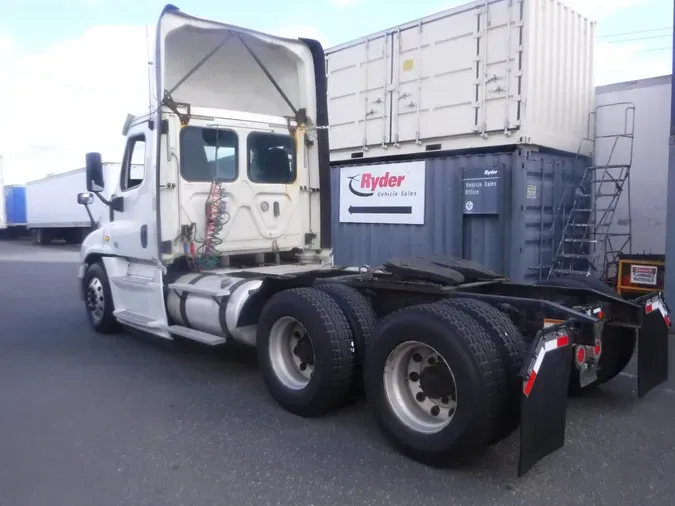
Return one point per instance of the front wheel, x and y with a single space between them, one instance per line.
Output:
98 299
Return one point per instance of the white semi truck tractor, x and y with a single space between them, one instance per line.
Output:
219 229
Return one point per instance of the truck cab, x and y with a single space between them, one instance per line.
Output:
225 171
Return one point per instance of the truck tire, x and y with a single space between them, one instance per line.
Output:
306 351
98 299
362 320
618 344
434 380
511 347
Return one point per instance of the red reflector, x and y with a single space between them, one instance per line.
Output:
530 383
667 319
601 315
649 308
597 349
563 341
581 355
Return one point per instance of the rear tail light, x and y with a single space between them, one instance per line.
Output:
597 349
580 355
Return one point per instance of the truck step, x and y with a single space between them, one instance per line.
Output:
196 335
131 280
184 287
131 318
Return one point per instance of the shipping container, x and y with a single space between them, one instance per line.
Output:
52 210
15 205
496 209
485 74
650 103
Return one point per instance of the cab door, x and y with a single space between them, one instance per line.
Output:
133 231
135 272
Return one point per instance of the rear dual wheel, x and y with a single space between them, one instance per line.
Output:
437 376
436 383
306 351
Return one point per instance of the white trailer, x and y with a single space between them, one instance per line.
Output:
52 209
485 74
223 234
643 211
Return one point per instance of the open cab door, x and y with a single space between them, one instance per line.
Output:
246 118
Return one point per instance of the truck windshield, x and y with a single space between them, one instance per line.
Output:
208 154
271 158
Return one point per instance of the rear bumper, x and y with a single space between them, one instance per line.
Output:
546 372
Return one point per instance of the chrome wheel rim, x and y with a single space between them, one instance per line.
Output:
291 353
95 299
420 387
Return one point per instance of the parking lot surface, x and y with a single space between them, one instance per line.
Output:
97 420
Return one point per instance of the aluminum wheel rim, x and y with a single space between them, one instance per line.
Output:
291 353
403 387
95 299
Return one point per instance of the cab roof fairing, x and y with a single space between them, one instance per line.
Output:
213 65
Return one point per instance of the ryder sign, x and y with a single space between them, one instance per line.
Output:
386 193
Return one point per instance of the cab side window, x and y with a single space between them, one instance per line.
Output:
133 167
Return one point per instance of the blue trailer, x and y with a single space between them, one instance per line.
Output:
14 223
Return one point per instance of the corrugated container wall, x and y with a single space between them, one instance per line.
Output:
485 74
15 204
512 233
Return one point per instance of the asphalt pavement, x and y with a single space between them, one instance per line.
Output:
96 420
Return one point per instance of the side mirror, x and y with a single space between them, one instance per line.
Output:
94 170
85 199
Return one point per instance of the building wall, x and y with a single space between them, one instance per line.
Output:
670 230
517 240
649 171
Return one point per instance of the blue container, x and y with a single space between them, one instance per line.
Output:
515 236
15 205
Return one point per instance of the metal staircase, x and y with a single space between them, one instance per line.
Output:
591 240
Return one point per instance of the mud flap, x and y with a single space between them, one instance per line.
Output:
653 344
543 399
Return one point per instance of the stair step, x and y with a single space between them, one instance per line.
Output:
132 318
584 241
573 272
588 224
610 166
196 335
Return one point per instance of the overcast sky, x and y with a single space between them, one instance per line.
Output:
72 69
